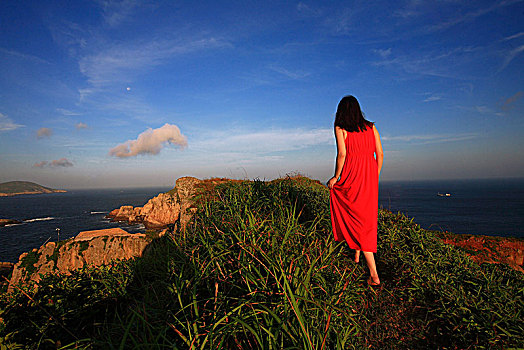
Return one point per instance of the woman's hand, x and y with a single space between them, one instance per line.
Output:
331 182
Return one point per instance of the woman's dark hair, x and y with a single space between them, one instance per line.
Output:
349 116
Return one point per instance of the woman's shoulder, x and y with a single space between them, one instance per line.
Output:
342 131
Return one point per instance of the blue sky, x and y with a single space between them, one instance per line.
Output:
248 89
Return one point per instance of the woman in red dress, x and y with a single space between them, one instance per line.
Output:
354 188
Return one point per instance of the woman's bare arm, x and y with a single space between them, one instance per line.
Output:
341 155
378 149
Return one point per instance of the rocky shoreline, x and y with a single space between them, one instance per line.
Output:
171 208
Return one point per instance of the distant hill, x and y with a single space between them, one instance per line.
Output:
13 188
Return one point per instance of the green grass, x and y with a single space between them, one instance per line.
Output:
22 186
258 268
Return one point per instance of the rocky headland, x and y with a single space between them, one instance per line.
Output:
14 188
175 207
172 209
88 248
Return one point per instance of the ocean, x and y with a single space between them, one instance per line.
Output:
71 212
487 207
492 207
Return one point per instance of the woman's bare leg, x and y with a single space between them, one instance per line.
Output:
357 256
370 260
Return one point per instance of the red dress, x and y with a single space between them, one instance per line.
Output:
354 198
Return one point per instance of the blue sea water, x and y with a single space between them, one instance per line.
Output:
72 212
488 207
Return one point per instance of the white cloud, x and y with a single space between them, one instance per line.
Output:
115 12
384 53
307 11
432 98
150 141
511 56
514 36
23 56
265 141
66 112
119 62
294 75
470 16
44 132
427 139
7 124
434 63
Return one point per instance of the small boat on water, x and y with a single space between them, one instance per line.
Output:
444 194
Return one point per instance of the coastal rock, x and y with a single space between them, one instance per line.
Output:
175 206
5 222
88 248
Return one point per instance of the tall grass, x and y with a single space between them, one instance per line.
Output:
258 268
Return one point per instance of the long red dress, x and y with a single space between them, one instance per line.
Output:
354 198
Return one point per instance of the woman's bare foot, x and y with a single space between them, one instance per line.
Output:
373 281
357 256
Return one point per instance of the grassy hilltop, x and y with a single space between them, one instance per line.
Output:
258 268
12 188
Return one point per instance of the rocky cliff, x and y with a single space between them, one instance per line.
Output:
171 208
92 248
100 247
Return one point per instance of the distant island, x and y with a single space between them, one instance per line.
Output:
13 188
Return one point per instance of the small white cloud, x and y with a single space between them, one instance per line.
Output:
482 109
150 141
119 62
81 126
427 139
432 98
58 163
264 142
307 10
514 36
383 53
44 132
7 124
511 56
66 112
295 75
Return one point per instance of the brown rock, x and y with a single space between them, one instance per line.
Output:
110 232
88 248
164 209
